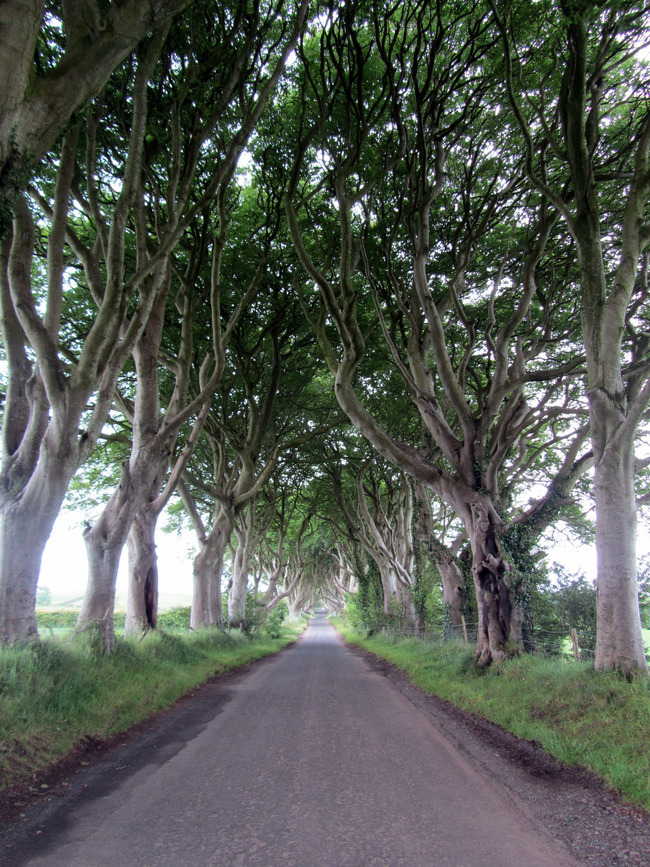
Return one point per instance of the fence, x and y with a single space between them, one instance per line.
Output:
566 643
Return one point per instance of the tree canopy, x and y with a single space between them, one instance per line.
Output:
405 337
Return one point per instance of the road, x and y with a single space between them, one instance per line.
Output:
315 759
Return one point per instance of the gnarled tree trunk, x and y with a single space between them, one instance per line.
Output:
142 601
207 570
498 622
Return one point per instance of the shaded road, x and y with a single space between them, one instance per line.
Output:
315 760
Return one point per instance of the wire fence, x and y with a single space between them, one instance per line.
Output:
567 643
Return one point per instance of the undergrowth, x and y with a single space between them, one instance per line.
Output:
55 693
597 720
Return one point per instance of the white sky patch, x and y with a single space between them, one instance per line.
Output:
64 570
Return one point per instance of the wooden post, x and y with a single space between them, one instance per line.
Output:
462 617
576 648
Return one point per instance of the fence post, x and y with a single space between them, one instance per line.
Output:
576 648
462 617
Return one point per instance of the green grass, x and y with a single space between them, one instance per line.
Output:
59 691
582 717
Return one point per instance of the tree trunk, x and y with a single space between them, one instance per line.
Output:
239 584
26 522
407 604
619 642
452 585
295 607
241 567
142 602
207 571
104 544
23 536
496 624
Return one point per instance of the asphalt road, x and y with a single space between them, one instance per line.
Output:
315 759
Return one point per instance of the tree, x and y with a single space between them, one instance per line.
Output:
422 189
124 244
48 426
260 415
53 58
579 99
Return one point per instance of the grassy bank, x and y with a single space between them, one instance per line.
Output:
597 720
55 693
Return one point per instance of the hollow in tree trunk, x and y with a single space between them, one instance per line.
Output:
142 601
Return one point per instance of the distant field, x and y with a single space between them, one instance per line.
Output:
165 603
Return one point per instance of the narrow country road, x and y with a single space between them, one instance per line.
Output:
315 760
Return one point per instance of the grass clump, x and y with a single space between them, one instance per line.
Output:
597 720
59 691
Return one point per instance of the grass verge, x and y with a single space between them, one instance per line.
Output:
57 692
599 720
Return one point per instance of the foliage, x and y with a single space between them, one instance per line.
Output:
574 601
66 618
43 596
175 618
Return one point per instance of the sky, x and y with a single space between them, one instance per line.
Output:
64 566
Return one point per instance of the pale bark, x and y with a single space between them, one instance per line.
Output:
142 600
619 640
472 438
36 108
250 530
241 564
52 446
149 456
616 403
207 568
25 527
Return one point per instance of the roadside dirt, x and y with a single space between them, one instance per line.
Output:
576 806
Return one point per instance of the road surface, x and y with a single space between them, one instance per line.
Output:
315 760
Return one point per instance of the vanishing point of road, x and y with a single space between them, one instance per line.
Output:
314 759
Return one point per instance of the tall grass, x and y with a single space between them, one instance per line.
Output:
581 717
59 691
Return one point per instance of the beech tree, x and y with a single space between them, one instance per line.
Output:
579 98
252 52
53 58
47 430
426 204
262 412
131 228
379 518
